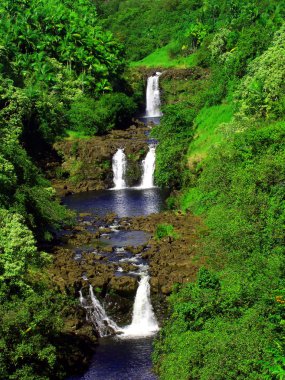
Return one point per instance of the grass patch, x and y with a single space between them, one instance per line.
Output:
164 230
161 58
72 135
208 133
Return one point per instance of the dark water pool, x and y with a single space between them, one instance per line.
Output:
117 359
127 202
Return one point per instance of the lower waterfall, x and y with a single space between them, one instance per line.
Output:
144 322
97 315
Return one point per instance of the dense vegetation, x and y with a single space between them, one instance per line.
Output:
222 145
229 323
52 54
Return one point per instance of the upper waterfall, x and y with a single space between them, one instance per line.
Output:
119 165
153 96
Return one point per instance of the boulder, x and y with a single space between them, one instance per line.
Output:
124 285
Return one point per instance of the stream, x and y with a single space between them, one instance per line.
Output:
117 358
124 352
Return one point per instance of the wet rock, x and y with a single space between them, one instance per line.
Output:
84 214
107 249
166 290
124 285
99 281
109 218
80 157
119 308
105 230
135 250
127 267
99 257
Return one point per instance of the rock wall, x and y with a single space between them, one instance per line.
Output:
86 164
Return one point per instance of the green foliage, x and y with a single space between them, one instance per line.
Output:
184 98
166 58
165 230
261 93
17 248
175 29
30 314
174 135
62 36
207 131
72 135
62 55
237 309
100 116
29 326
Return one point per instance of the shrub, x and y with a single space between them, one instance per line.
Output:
92 116
164 230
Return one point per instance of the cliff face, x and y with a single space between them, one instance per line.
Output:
86 164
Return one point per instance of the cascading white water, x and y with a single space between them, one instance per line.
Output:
144 322
153 96
148 169
119 165
82 300
96 313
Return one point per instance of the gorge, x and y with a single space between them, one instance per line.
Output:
142 190
143 324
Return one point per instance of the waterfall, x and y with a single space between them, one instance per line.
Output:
97 315
119 164
82 300
153 96
144 322
148 169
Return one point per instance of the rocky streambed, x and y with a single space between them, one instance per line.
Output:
108 252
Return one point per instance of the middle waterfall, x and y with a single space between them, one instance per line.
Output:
148 165
119 165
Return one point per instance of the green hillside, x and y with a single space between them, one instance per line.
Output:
222 146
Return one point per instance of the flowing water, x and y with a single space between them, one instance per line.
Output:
153 96
119 166
127 353
148 169
144 322
121 359
153 111
97 315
